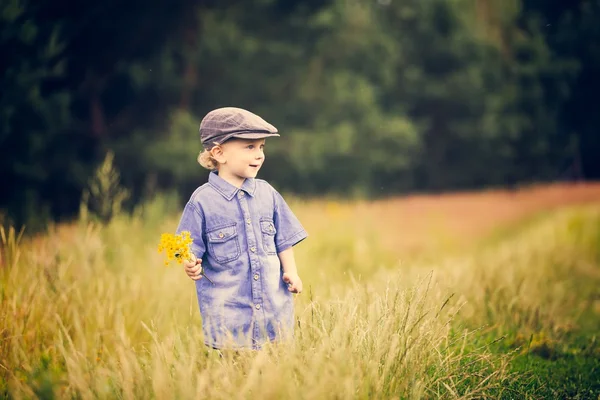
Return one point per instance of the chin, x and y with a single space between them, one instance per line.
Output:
252 174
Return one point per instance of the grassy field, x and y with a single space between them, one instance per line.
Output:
475 295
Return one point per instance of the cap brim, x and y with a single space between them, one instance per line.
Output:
253 135
239 135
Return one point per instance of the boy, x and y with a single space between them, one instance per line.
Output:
243 233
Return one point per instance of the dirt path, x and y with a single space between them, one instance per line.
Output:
428 222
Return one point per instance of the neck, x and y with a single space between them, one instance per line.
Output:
232 179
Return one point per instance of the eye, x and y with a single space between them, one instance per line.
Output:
250 147
262 146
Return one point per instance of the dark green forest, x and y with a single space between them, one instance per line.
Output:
372 98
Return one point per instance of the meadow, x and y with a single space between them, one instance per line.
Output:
470 295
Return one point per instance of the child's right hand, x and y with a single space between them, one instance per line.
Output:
193 269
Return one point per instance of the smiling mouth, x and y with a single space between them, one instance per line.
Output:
255 165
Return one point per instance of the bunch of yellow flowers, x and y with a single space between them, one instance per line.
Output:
176 247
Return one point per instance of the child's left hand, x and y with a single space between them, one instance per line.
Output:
293 281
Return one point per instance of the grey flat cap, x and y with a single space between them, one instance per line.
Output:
225 123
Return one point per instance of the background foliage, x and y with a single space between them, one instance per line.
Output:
371 97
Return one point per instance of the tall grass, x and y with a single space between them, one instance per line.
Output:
89 311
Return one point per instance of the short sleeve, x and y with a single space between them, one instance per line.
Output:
289 231
192 221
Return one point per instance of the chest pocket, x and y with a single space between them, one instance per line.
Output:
224 243
268 235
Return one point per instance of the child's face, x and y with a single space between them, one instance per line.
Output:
241 159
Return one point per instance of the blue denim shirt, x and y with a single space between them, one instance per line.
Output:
237 233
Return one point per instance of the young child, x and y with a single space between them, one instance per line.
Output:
243 232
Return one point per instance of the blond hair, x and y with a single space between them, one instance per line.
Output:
206 159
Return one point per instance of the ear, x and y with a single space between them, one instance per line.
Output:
218 154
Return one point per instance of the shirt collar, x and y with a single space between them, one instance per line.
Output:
226 189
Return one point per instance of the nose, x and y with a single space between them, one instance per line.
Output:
260 154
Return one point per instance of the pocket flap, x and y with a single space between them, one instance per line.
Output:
267 227
222 234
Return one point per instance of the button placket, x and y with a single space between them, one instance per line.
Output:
255 283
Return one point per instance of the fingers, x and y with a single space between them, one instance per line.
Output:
192 264
194 269
295 288
195 275
289 281
294 283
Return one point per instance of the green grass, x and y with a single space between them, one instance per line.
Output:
565 361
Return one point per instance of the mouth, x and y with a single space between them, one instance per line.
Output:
255 165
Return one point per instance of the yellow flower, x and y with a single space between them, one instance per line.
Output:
176 247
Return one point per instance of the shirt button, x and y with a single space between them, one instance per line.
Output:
248 220
253 249
255 277
257 306
240 194
221 235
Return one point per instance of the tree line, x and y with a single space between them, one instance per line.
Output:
371 97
